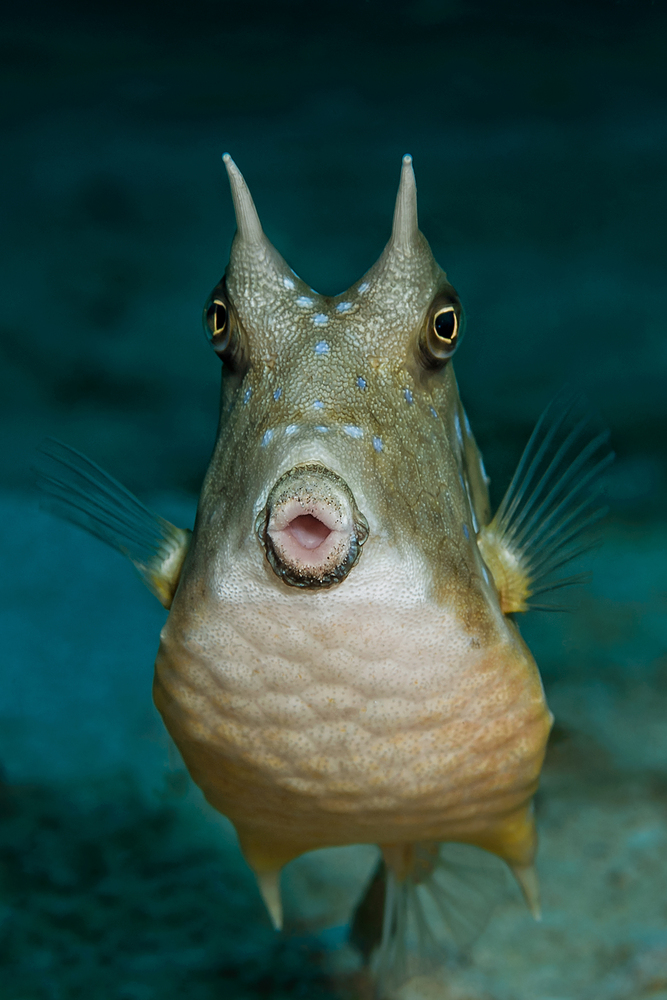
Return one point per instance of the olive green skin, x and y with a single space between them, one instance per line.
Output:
399 705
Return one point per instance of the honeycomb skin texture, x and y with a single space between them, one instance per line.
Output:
399 704
364 714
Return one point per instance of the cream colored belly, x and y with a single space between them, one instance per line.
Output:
318 722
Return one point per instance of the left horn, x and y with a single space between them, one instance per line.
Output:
247 220
405 230
253 260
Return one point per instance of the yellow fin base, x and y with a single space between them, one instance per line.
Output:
511 580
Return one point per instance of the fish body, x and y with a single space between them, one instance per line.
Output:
340 663
400 705
374 714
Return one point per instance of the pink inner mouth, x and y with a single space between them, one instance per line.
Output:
310 539
310 528
308 531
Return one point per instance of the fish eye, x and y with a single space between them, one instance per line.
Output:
221 328
440 337
215 319
446 327
217 326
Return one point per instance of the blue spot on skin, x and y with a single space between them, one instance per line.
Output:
321 428
377 443
303 300
318 404
459 433
267 437
353 431
408 396
288 283
291 429
361 382
277 394
434 411
363 287
247 394
343 307
465 531
467 422
320 319
321 347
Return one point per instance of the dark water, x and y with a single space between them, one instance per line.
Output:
539 136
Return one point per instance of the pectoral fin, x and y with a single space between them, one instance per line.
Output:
77 489
551 501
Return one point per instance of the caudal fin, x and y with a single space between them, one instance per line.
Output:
77 489
438 899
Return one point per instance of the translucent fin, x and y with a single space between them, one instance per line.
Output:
76 489
551 501
366 926
435 906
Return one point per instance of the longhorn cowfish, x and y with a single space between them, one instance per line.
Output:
341 662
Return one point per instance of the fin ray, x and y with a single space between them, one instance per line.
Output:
539 521
552 500
434 907
75 488
550 475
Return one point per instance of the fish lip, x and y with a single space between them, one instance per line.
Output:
307 503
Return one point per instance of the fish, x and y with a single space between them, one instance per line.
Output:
341 662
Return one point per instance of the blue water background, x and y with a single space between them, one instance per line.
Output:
539 137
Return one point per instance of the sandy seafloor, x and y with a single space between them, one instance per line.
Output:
540 147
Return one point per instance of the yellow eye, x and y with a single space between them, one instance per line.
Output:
222 329
218 325
446 327
441 334
216 318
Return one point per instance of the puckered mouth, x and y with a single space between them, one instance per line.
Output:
311 528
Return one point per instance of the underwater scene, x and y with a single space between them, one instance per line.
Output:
389 721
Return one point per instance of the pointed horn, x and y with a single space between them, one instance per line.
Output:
526 876
247 220
269 887
405 228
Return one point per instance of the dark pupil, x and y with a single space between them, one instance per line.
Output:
216 318
445 324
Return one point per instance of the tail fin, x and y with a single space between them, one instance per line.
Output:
76 489
434 907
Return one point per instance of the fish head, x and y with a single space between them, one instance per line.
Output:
340 416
